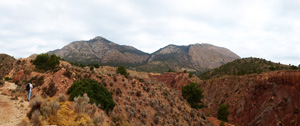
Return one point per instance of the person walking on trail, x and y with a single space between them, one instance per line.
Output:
28 89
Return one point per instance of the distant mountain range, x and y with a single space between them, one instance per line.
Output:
194 58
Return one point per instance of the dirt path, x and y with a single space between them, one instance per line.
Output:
11 111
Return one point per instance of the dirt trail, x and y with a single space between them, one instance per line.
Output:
11 111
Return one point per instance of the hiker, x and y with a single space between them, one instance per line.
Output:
28 89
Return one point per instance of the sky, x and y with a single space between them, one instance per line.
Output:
268 29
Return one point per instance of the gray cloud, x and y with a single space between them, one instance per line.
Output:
265 29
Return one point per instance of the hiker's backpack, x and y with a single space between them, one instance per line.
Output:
27 87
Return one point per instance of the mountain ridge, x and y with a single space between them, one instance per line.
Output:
194 57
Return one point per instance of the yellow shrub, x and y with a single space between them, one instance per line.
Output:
84 120
67 116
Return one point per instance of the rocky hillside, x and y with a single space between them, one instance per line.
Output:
194 58
139 99
269 98
103 51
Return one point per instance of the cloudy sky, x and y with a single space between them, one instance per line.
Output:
267 29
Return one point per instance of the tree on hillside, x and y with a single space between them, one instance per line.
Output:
193 94
223 113
96 92
122 70
46 62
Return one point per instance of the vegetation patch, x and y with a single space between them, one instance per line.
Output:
95 91
122 70
193 94
245 66
46 62
223 113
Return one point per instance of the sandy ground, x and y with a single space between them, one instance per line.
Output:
11 111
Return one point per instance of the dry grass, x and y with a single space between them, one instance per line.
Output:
24 122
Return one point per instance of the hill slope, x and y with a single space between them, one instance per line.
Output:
139 101
243 67
4 58
194 58
6 64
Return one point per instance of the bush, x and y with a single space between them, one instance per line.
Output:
96 92
68 74
193 94
170 70
223 113
1 82
46 62
51 90
66 116
7 79
39 81
118 91
190 75
222 124
35 104
122 70
62 98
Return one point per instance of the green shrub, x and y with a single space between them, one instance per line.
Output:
7 79
92 68
96 65
46 62
170 70
193 94
96 92
122 70
190 75
222 124
223 113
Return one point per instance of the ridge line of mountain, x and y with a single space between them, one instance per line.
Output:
194 57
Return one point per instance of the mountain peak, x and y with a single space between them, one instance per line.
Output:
100 39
